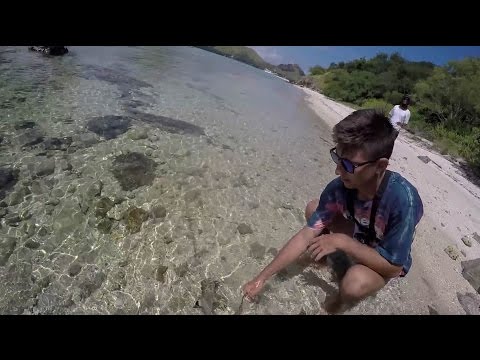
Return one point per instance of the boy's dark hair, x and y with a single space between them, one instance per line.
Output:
368 130
406 97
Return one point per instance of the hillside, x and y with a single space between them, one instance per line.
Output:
292 72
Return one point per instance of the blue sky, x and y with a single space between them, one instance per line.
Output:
307 56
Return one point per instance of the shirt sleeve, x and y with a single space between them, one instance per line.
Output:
390 114
330 204
407 117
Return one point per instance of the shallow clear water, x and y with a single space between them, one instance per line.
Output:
255 155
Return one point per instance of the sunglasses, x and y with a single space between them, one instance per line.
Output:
347 164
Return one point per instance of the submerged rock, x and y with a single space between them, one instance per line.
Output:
159 211
45 167
18 196
94 189
30 137
134 217
138 134
103 207
12 219
7 245
8 179
167 124
109 126
160 273
58 143
105 226
89 280
25 125
133 170
124 82
257 250
244 229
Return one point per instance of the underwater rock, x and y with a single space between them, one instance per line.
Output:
133 170
109 126
134 218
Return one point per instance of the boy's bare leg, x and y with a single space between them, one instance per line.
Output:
358 281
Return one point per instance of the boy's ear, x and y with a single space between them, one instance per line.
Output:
382 165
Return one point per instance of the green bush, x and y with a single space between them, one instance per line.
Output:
379 104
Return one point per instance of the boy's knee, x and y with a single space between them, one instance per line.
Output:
351 291
310 209
356 285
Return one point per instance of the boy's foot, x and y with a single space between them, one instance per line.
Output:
333 305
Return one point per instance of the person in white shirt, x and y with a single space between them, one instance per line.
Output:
400 114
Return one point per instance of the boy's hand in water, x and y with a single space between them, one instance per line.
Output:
253 288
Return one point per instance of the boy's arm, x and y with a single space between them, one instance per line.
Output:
295 247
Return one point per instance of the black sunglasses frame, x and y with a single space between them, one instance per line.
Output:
343 161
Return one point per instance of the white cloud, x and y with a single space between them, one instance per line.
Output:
268 53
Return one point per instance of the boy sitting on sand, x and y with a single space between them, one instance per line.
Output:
386 207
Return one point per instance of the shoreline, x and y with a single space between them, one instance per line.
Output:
451 203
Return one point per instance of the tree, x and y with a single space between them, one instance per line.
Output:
317 70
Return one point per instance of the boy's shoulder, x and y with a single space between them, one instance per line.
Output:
402 191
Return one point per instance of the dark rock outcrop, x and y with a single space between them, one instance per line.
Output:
291 68
50 50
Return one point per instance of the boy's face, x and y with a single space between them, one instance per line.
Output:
362 174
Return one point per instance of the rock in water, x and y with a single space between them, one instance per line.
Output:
45 167
133 170
167 124
105 226
25 125
7 245
160 273
109 126
103 207
58 143
208 297
159 211
244 229
134 218
30 137
8 179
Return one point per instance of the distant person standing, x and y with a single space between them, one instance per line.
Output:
400 114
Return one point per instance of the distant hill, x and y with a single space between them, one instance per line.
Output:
240 53
292 72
